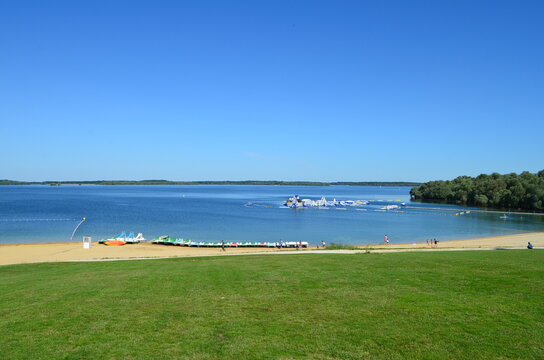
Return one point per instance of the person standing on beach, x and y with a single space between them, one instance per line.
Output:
386 240
323 244
223 245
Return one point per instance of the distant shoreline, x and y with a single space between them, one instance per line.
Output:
226 182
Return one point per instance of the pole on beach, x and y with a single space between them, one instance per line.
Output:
81 222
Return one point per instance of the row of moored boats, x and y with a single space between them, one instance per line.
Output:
123 239
167 240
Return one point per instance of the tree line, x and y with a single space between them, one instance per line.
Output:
513 191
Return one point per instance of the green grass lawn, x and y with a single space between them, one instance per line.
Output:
443 305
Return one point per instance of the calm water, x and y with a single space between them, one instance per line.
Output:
251 213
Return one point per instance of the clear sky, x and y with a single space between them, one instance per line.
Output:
284 90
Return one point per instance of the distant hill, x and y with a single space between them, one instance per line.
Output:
244 182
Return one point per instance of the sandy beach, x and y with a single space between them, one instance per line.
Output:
486 243
56 252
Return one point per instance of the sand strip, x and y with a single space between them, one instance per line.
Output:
492 242
60 252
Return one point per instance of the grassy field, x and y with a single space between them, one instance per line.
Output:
443 305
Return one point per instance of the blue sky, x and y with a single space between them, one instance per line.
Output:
286 90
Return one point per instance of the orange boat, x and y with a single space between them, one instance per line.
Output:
114 243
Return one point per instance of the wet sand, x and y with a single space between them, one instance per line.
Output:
56 252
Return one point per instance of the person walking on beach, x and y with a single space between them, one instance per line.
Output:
386 240
323 244
223 245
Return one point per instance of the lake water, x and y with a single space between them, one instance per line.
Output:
245 213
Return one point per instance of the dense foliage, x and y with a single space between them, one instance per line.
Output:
511 191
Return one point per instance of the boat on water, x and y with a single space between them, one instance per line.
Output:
130 239
390 207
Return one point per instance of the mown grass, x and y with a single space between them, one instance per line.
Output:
447 305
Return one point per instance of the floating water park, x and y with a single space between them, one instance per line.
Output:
296 202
